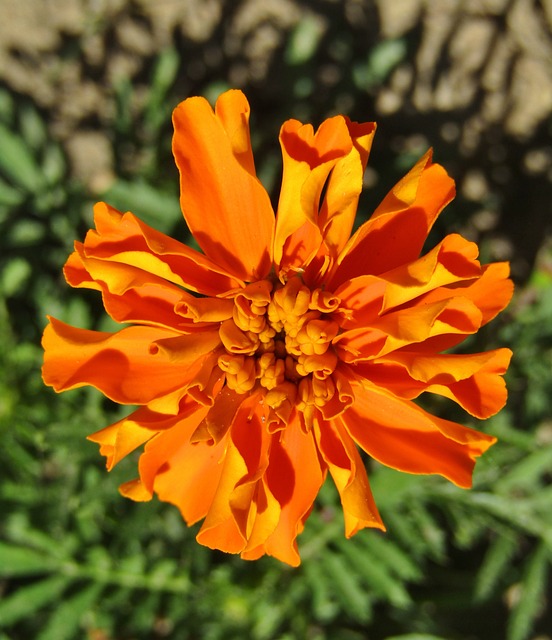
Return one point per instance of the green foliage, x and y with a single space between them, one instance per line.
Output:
77 560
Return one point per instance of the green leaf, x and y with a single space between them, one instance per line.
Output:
386 550
24 233
521 517
382 59
33 129
347 587
10 196
165 71
304 40
532 597
6 105
526 474
14 276
324 608
67 617
22 561
164 74
17 162
28 600
54 164
18 528
496 562
376 574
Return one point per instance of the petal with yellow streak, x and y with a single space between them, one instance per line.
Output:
126 239
180 471
349 475
452 261
491 292
397 230
76 273
218 183
130 294
129 366
403 436
455 316
365 298
308 160
294 477
122 437
232 512
474 381
344 186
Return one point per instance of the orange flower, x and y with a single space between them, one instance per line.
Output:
261 363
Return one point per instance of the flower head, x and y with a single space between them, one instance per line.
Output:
266 360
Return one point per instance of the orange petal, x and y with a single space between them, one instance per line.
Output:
400 435
361 301
120 438
76 273
308 159
474 381
232 512
130 294
457 316
135 490
266 516
491 292
365 298
126 239
226 207
294 477
129 366
204 309
349 474
183 473
338 210
217 422
191 477
396 232
452 261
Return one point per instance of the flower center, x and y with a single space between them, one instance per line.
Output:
280 338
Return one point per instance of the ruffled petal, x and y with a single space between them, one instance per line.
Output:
400 435
474 381
124 436
294 477
217 180
233 510
180 471
75 272
457 317
130 294
397 230
452 261
126 239
343 188
129 367
267 515
491 292
365 298
349 474
308 160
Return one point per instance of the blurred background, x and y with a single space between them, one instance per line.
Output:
86 92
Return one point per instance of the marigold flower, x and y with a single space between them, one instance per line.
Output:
261 363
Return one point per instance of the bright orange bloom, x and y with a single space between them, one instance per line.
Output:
261 363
